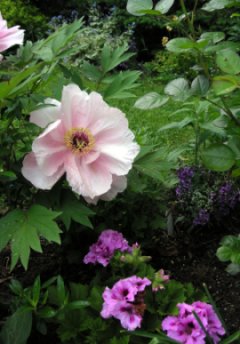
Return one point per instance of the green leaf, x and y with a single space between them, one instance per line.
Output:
7 176
214 37
217 5
151 100
112 58
179 89
72 209
177 125
230 249
200 85
121 84
45 54
154 164
23 229
162 338
36 289
17 328
228 61
180 45
164 5
231 339
222 46
218 157
91 72
233 269
225 84
135 6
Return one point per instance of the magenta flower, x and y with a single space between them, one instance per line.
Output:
185 327
103 250
84 138
9 37
125 301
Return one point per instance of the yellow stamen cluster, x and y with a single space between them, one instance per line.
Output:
79 140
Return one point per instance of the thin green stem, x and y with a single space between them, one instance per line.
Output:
225 108
190 23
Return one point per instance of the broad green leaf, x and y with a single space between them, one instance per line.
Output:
17 328
228 61
151 100
218 157
225 84
7 176
230 249
112 58
73 209
164 5
222 46
135 6
24 228
177 125
180 45
200 85
45 54
233 269
210 126
214 37
179 89
216 5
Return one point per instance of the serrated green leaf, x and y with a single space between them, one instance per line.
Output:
23 229
121 84
72 209
228 61
200 85
230 249
112 58
177 125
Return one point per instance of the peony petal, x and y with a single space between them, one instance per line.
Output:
74 106
9 37
46 114
119 184
88 180
50 145
35 175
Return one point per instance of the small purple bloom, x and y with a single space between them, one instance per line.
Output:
202 218
185 327
103 250
185 175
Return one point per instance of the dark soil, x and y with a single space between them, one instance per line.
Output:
187 258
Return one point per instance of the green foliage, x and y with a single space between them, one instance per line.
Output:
24 228
23 13
230 251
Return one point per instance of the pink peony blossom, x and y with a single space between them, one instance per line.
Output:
84 138
9 37
103 250
125 301
185 327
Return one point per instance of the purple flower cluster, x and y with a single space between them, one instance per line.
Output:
185 327
185 175
103 250
202 218
125 301
227 198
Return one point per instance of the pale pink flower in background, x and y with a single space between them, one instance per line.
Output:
86 139
9 36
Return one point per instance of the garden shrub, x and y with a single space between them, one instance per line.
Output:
22 12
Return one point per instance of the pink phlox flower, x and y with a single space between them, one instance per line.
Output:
9 36
103 250
185 327
125 301
85 139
